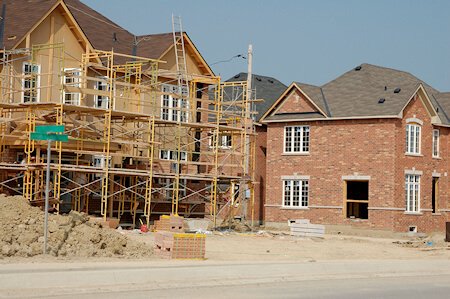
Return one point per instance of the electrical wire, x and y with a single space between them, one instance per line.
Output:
228 60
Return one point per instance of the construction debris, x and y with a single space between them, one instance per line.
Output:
303 228
73 235
425 242
197 225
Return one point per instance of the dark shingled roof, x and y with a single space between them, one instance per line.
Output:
442 102
357 92
267 88
22 15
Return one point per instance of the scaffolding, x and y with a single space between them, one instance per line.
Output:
143 141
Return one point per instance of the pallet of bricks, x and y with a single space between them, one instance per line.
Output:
172 243
168 223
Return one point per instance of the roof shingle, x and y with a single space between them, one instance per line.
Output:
102 33
357 93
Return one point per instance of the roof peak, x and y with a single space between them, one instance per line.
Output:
253 75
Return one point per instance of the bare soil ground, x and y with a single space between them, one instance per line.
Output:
74 238
279 246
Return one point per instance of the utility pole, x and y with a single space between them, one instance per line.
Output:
248 124
249 75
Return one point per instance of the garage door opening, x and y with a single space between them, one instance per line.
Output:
357 199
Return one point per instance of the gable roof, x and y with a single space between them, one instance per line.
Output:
267 88
103 34
21 16
357 93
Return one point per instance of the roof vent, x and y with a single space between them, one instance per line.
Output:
437 109
270 80
258 79
385 88
397 90
114 37
358 68
237 76
381 101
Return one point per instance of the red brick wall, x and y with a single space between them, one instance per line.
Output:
374 148
425 221
296 102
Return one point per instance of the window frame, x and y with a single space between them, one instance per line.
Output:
76 83
38 82
435 143
301 202
225 141
106 86
167 186
416 140
290 148
171 155
174 108
412 187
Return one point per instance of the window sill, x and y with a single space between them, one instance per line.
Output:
436 214
293 208
413 155
413 213
295 154
437 157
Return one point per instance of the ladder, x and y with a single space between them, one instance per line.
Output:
180 53
183 92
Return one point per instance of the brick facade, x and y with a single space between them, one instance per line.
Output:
369 148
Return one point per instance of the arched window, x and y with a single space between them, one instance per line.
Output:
413 135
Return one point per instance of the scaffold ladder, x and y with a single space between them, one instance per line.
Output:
183 92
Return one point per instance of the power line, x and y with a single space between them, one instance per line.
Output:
228 60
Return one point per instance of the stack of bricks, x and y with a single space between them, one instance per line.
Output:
171 242
173 245
170 223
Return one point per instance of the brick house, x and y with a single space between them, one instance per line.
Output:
368 149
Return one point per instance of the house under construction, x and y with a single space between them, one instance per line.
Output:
151 129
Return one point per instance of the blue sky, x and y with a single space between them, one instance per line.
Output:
307 41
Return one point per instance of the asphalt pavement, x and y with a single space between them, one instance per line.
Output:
206 279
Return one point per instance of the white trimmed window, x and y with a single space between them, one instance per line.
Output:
224 142
172 155
172 107
295 193
31 82
413 133
296 139
99 161
412 193
435 143
102 101
72 79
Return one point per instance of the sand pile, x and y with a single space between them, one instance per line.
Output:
21 234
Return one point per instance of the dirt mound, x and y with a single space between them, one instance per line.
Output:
21 234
